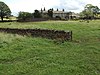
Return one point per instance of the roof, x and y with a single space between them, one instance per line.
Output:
59 12
55 12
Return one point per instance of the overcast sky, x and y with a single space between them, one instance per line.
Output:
31 5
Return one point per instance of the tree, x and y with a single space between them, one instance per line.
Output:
24 16
50 13
95 10
87 14
4 10
92 8
89 11
37 14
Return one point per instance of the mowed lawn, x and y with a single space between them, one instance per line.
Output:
22 55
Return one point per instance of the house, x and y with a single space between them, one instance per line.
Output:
60 14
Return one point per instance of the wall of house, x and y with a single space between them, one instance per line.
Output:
61 15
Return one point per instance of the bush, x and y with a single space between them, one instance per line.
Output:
23 16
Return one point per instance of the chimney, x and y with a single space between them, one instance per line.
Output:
57 9
63 10
44 8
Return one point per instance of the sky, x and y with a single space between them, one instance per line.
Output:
30 5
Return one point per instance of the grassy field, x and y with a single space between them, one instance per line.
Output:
22 55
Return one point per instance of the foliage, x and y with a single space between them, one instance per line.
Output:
50 13
89 11
86 14
4 10
24 16
93 9
37 14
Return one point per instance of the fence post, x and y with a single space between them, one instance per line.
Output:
71 35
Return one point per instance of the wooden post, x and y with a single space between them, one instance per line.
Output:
71 35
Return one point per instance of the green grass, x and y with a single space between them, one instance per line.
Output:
22 55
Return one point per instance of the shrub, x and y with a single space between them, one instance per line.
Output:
23 16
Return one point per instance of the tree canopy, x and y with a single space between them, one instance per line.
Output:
89 11
4 10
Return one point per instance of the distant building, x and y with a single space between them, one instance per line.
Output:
61 14
73 15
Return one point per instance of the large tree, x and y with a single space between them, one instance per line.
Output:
93 9
86 14
4 10
90 11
